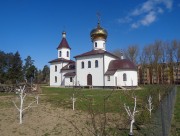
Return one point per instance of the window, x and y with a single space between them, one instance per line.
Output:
124 77
95 44
55 68
108 78
67 53
55 79
59 53
96 63
89 64
71 79
82 64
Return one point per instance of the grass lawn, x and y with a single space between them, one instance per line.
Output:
114 99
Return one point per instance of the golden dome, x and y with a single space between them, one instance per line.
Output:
98 33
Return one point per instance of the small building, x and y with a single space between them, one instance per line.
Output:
98 67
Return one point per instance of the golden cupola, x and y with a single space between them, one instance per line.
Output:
98 33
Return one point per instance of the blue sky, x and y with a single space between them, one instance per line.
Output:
34 27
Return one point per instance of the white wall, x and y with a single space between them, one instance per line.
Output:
131 78
53 73
101 44
64 53
110 82
97 73
68 83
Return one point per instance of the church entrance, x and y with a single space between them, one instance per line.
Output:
89 79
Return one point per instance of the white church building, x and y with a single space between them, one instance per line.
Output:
97 68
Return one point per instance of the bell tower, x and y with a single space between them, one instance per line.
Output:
64 48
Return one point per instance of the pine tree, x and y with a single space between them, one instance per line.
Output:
30 71
15 73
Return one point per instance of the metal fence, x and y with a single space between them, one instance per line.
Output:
161 123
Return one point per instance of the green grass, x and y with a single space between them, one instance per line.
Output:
93 100
114 101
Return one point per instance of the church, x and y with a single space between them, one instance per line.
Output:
95 68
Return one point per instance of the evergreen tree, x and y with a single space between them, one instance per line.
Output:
30 71
46 73
8 67
39 76
2 67
15 71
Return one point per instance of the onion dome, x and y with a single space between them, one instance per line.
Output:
98 33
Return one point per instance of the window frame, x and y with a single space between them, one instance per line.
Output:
96 64
60 54
95 44
67 53
55 69
82 64
124 77
89 64
55 79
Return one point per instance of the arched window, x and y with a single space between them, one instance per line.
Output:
82 64
59 53
96 63
55 79
95 44
89 64
55 68
67 53
124 77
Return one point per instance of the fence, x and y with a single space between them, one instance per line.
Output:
161 123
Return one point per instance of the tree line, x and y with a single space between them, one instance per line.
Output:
13 71
160 57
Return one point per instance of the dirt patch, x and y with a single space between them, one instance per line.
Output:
45 120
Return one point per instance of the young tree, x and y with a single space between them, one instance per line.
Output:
22 95
73 100
149 105
131 115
